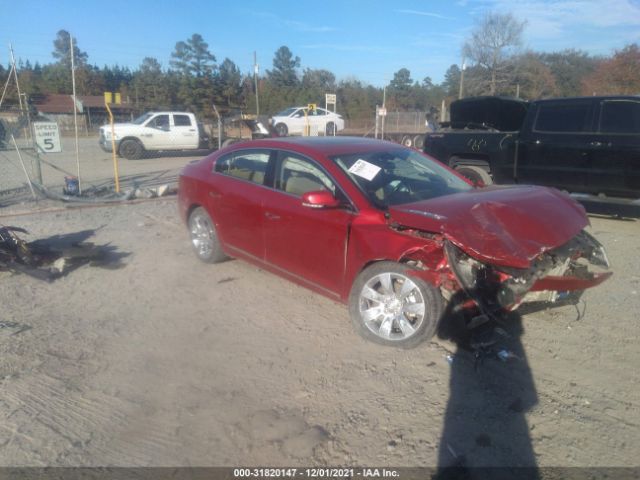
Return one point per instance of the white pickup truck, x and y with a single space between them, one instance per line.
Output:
155 131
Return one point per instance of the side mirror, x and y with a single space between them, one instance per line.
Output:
319 199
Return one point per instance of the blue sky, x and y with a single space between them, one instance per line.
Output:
368 40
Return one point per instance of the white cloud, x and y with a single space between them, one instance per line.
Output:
424 14
344 47
294 24
557 18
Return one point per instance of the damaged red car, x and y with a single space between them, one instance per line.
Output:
387 230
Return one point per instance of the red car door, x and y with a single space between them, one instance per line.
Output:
306 243
235 197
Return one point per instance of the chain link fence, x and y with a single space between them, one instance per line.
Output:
22 162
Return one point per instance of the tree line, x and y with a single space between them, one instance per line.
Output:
194 79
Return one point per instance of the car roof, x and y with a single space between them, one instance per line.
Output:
597 98
167 112
323 145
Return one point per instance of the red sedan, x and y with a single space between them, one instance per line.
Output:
389 231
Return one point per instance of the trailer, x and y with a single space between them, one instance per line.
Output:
406 128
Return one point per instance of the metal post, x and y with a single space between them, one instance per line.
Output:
33 144
75 116
24 168
116 174
255 80
461 91
375 135
15 73
384 106
6 84
215 110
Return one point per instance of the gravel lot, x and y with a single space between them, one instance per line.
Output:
158 360
166 361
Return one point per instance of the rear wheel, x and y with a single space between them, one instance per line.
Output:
418 142
282 129
131 149
407 141
330 129
391 307
204 238
477 175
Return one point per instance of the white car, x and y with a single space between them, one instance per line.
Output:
321 121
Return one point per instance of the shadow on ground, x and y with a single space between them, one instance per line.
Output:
485 432
56 256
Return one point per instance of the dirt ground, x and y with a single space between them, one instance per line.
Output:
160 360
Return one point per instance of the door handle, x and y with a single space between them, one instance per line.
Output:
271 216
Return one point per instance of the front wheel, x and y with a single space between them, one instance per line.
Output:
391 307
282 129
204 238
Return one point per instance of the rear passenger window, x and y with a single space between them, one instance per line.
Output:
298 176
181 120
564 117
246 165
620 116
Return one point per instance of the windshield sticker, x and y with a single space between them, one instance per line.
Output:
364 169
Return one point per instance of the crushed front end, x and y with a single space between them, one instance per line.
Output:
556 274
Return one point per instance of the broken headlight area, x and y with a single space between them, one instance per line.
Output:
558 274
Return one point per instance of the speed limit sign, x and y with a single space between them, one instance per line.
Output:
47 136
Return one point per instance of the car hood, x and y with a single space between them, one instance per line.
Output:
501 225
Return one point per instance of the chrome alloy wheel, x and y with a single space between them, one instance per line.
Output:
202 234
391 306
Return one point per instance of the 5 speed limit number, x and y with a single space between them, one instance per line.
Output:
47 136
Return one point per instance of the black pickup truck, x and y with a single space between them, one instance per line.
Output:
586 145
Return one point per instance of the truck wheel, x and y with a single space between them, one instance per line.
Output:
477 175
418 142
229 141
131 149
282 129
330 129
407 141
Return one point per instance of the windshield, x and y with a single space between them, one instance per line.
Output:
142 118
397 176
286 113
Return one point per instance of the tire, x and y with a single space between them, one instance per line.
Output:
281 129
229 141
384 312
407 141
475 174
131 149
330 129
418 142
204 238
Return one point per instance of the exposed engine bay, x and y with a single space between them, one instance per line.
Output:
552 275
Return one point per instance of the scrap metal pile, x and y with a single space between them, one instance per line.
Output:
44 261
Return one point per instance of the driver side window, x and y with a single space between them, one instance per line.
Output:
160 122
